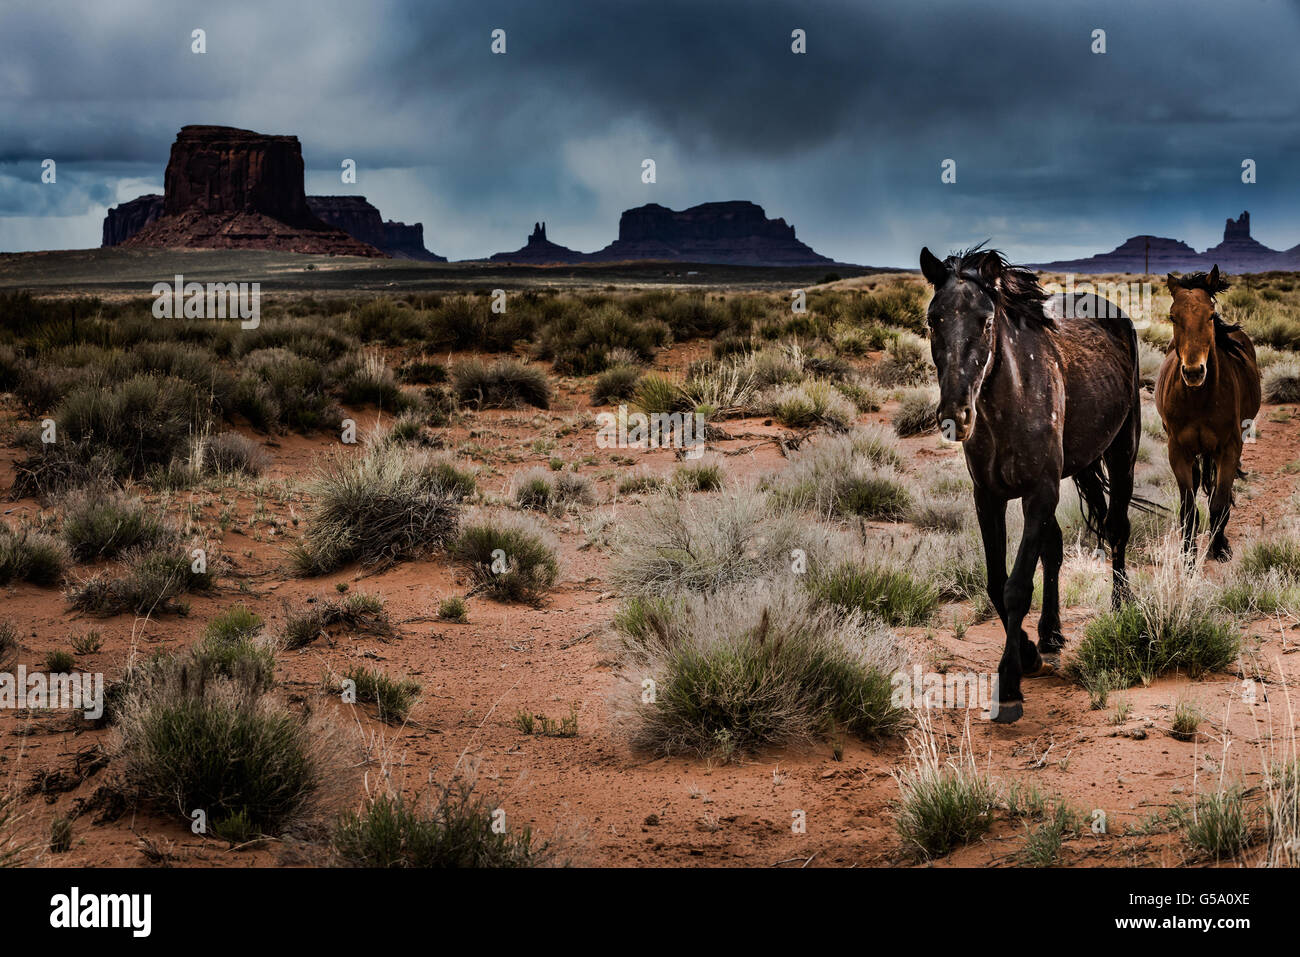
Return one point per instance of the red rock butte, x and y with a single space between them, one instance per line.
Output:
227 188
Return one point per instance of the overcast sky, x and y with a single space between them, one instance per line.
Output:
1060 152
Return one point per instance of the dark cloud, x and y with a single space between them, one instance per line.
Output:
1059 151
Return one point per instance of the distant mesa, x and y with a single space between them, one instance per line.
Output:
734 233
540 251
361 220
125 220
730 233
228 188
1239 252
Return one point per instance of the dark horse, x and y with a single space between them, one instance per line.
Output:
1207 395
1038 389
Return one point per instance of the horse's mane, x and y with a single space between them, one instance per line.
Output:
1014 289
1200 280
1223 341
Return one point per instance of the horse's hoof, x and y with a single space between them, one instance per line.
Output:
1221 554
1008 712
1047 665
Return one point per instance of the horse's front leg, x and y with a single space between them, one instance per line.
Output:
1019 656
1226 462
1181 463
1050 638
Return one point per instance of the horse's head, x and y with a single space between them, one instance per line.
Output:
961 319
1192 314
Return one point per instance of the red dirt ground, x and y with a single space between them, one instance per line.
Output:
602 803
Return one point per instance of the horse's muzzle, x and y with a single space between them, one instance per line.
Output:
1193 375
956 423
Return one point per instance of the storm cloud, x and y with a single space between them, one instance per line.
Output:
1060 151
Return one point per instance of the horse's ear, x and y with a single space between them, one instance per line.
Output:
1213 281
1172 282
932 268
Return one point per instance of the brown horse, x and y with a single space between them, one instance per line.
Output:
1207 395
1037 389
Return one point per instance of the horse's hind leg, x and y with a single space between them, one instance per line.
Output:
1226 464
1121 459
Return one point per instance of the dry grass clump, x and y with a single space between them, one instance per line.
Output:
229 453
149 580
702 544
30 555
389 504
553 492
944 800
814 402
1175 622
848 475
906 362
753 666
917 411
1281 381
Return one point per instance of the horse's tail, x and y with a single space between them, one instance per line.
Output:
1092 487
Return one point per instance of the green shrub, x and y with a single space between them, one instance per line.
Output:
657 394
504 384
123 430
367 379
811 403
508 561
875 496
701 477
893 594
616 384
234 624
1281 552
151 581
1150 637
1220 824
453 610
455 829
27 555
192 740
278 388
943 802
101 522
580 342
393 697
